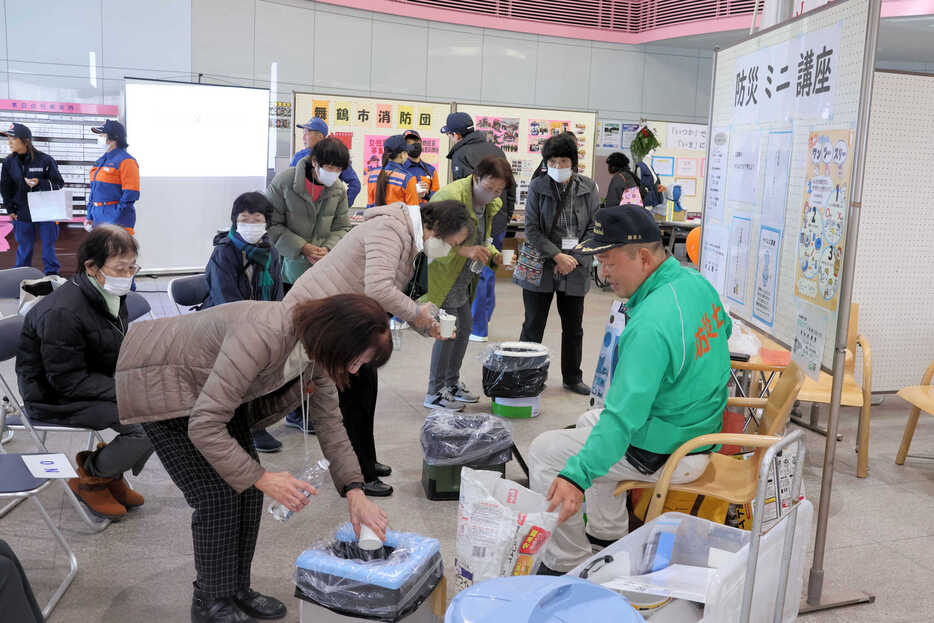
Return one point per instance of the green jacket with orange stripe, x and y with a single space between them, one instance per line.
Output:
670 384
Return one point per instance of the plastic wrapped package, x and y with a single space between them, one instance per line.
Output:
515 370
452 438
502 528
744 341
681 557
386 584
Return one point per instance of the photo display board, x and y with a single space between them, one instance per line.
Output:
520 132
779 164
681 160
363 123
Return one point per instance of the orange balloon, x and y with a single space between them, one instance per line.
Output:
693 245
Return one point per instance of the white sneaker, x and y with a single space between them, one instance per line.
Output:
462 394
442 400
477 338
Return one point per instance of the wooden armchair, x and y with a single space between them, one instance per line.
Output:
726 477
921 398
853 395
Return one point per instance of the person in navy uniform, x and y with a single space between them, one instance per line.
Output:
28 170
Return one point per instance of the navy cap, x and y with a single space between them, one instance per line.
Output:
412 133
620 225
459 122
315 124
17 130
395 144
111 127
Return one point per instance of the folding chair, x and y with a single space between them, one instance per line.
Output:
13 416
136 306
18 483
188 291
10 279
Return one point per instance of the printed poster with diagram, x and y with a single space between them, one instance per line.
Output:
827 184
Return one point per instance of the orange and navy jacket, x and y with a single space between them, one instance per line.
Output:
400 187
114 189
423 170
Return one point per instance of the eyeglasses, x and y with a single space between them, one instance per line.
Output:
129 271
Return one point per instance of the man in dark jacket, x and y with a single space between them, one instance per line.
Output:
28 170
470 147
66 362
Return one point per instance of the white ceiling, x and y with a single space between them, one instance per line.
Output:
901 39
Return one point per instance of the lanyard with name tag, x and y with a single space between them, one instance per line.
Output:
568 244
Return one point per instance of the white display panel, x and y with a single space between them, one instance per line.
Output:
759 149
165 120
198 147
892 283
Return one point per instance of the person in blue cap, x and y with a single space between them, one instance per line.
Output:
315 130
28 170
114 181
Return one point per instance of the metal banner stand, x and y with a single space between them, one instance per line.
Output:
816 600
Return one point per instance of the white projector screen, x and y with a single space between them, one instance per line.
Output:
198 146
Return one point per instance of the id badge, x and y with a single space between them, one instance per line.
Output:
568 244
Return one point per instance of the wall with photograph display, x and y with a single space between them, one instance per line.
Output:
520 132
363 123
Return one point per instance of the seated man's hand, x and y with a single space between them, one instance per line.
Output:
562 493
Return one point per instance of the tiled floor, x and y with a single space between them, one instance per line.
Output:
881 535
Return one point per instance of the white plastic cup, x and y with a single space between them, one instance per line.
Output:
447 324
421 187
508 256
368 539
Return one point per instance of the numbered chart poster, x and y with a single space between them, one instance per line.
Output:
827 186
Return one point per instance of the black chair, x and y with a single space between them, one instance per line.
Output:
11 278
18 483
136 306
13 417
189 291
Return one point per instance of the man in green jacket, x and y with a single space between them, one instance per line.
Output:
670 385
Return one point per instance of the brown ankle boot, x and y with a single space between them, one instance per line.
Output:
120 489
94 491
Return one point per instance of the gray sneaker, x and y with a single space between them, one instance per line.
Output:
462 394
442 400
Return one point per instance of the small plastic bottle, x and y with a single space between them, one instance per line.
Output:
476 266
314 475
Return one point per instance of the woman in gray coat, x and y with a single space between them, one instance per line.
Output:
559 212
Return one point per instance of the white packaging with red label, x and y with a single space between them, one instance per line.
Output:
501 528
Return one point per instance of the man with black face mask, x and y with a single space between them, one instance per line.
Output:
426 175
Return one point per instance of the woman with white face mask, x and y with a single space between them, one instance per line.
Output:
309 205
66 363
246 267
379 258
559 212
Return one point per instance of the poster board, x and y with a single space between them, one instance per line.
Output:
520 132
892 284
682 152
778 96
363 123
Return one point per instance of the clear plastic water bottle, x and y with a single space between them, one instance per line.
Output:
314 475
476 266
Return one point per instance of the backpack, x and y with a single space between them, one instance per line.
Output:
648 185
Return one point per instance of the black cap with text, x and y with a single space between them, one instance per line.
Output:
620 225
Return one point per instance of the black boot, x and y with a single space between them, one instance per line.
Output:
382 471
222 610
259 606
377 488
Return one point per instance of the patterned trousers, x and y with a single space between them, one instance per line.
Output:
224 524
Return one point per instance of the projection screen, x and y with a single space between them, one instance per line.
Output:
198 146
